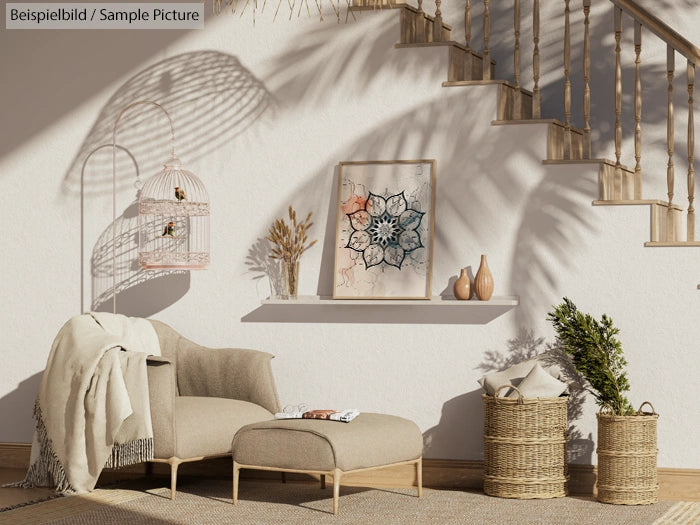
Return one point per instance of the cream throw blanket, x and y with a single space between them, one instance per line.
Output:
92 410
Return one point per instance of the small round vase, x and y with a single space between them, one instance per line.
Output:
483 282
463 286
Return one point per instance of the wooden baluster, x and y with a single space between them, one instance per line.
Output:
691 152
670 175
437 23
517 99
670 68
487 36
468 24
618 104
586 80
567 81
638 111
536 95
420 23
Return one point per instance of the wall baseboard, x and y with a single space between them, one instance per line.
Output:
674 484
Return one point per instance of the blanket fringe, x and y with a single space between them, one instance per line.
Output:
130 453
46 471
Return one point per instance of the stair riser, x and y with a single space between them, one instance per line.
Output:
506 104
618 187
417 29
665 224
555 143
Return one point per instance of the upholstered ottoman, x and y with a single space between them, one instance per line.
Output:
313 446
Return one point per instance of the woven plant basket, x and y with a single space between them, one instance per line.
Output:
525 446
627 458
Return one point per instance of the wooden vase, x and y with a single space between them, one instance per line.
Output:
483 282
463 286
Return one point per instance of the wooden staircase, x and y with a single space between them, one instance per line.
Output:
619 185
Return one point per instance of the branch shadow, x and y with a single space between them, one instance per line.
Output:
261 266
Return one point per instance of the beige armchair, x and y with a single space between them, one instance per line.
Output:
201 396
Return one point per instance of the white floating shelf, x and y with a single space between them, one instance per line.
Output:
437 310
438 301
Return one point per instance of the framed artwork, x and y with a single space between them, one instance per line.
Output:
384 234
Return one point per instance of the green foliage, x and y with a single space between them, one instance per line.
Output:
596 354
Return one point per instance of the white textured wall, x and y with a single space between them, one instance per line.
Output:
334 93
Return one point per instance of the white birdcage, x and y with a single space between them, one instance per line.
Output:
174 220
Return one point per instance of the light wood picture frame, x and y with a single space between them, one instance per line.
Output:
384 229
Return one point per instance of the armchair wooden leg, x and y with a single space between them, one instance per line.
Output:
174 464
236 471
336 489
419 476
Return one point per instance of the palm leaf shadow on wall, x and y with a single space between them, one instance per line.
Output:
212 99
556 213
556 196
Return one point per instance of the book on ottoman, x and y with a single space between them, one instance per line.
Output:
345 416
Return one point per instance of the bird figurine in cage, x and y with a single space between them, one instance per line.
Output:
169 229
180 193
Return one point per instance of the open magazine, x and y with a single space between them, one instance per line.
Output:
345 416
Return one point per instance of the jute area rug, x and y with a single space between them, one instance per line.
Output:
269 502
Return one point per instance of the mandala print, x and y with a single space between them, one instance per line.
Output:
385 231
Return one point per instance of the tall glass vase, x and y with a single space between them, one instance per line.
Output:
290 278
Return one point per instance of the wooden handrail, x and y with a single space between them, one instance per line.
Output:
660 29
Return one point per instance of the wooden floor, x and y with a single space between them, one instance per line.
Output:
10 497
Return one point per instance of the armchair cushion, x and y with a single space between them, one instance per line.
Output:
204 426
232 373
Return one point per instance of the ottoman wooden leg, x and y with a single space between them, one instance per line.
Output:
236 470
336 489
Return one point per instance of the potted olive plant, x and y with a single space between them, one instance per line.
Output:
626 439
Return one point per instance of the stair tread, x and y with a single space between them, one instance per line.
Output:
636 202
671 244
448 43
589 161
456 83
554 121
433 44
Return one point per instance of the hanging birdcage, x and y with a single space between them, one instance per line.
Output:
174 220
